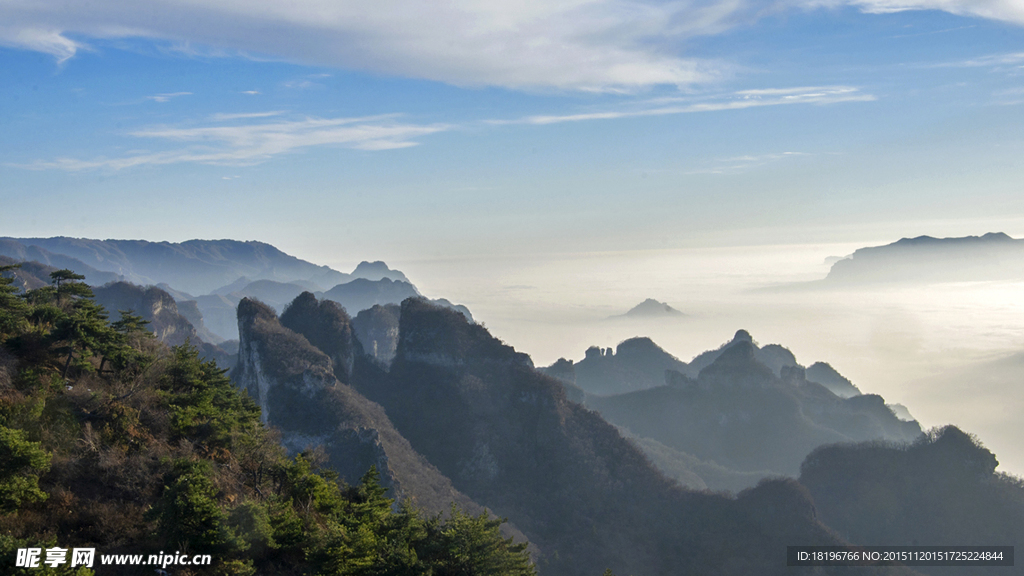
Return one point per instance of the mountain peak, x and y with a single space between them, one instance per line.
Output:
742 336
377 270
650 308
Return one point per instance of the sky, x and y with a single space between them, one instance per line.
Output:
407 130
553 163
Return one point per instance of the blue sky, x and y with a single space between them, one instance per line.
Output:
341 131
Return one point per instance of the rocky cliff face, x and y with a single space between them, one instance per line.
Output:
327 327
377 329
295 385
153 304
165 321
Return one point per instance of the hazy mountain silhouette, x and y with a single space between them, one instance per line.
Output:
637 364
940 489
19 252
741 415
993 256
195 266
377 271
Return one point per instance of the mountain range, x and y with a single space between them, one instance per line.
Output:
216 275
630 460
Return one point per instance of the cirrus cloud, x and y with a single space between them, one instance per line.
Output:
249 144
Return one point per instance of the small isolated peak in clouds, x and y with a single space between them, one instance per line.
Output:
166 97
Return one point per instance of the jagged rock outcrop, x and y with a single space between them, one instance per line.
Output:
637 364
295 386
328 327
774 356
736 367
377 329
508 437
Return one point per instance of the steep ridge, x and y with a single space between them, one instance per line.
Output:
507 436
295 386
327 327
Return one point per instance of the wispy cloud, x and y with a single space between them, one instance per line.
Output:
40 38
1014 59
737 164
244 116
251 92
167 97
736 101
242 145
1006 10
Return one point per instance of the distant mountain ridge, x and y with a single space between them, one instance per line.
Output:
731 415
992 256
193 266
